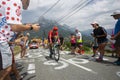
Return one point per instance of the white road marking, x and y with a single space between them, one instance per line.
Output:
53 63
31 68
79 66
118 74
63 66
71 62
105 59
78 61
31 72
35 56
50 63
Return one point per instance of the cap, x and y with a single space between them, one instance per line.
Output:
94 22
116 12
76 29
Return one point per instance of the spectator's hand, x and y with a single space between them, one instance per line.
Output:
36 27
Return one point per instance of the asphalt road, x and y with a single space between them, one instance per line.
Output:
70 67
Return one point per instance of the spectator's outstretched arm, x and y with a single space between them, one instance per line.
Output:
21 27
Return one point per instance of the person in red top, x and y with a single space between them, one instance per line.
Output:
51 38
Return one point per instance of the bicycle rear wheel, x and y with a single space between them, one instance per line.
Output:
56 54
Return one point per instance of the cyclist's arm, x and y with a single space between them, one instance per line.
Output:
50 37
58 37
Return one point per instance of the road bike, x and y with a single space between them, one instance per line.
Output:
55 50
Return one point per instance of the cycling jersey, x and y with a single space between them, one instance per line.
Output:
51 35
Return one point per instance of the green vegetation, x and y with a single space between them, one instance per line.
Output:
17 49
86 48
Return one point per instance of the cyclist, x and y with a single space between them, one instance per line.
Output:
52 35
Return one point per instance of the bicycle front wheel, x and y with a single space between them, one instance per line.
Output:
56 54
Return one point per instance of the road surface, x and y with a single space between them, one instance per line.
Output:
35 66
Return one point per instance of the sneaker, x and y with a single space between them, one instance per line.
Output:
99 59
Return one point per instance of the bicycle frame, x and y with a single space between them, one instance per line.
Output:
55 50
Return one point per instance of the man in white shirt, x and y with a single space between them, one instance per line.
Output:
78 40
10 23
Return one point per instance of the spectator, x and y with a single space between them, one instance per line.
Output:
10 22
100 34
27 40
24 41
61 41
116 15
78 40
45 43
73 43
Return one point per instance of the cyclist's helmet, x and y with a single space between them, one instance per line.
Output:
55 28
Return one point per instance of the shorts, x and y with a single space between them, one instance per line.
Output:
95 47
53 39
5 55
61 43
79 44
73 45
105 40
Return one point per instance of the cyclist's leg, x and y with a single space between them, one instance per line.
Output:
50 48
